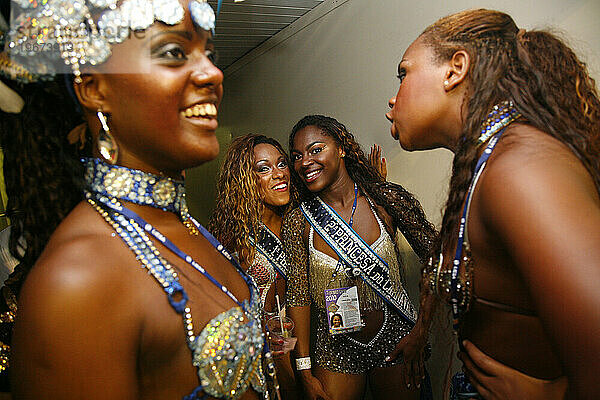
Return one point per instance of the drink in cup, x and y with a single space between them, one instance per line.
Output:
281 330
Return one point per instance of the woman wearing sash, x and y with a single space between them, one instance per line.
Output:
254 191
518 254
343 255
129 297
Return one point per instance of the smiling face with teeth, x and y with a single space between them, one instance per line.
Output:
164 118
273 174
317 158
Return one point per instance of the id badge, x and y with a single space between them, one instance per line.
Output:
343 310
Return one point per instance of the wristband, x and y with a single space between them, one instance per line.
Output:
303 363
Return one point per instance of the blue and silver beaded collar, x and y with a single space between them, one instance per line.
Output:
136 186
502 115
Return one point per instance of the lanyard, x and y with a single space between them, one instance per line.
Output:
177 251
354 205
340 262
454 282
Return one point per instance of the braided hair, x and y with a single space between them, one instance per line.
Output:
44 182
42 172
543 77
402 206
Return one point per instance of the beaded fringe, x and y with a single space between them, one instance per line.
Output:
321 279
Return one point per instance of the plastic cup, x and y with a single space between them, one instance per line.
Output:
281 340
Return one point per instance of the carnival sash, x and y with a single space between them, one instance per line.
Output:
271 247
355 252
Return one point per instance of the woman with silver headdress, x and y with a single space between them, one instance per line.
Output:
90 323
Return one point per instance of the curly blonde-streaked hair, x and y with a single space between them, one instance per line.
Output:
239 208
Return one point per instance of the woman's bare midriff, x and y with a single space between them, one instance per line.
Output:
373 321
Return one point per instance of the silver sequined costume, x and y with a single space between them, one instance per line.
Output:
263 273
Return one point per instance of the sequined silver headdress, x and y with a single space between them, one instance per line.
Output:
47 35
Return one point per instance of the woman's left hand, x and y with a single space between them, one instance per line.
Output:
495 381
377 161
280 346
275 344
411 349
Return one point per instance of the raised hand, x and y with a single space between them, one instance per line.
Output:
377 160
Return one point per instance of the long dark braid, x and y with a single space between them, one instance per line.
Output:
549 85
43 180
41 170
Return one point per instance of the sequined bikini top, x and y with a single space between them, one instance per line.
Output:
323 274
228 351
263 273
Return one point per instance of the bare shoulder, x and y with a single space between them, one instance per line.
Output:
83 255
539 202
77 330
539 206
529 166
80 278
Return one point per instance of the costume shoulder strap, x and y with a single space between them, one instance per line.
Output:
292 228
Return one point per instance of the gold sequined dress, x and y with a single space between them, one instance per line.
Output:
311 272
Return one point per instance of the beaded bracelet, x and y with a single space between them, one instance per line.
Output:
303 363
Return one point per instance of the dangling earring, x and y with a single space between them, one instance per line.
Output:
106 142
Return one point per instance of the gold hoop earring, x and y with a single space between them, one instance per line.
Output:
106 142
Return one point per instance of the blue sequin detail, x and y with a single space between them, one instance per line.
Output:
135 186
227 353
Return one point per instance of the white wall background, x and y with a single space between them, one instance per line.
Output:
341 60
344 64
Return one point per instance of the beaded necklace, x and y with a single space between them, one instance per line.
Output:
114 181
501 116
106 185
